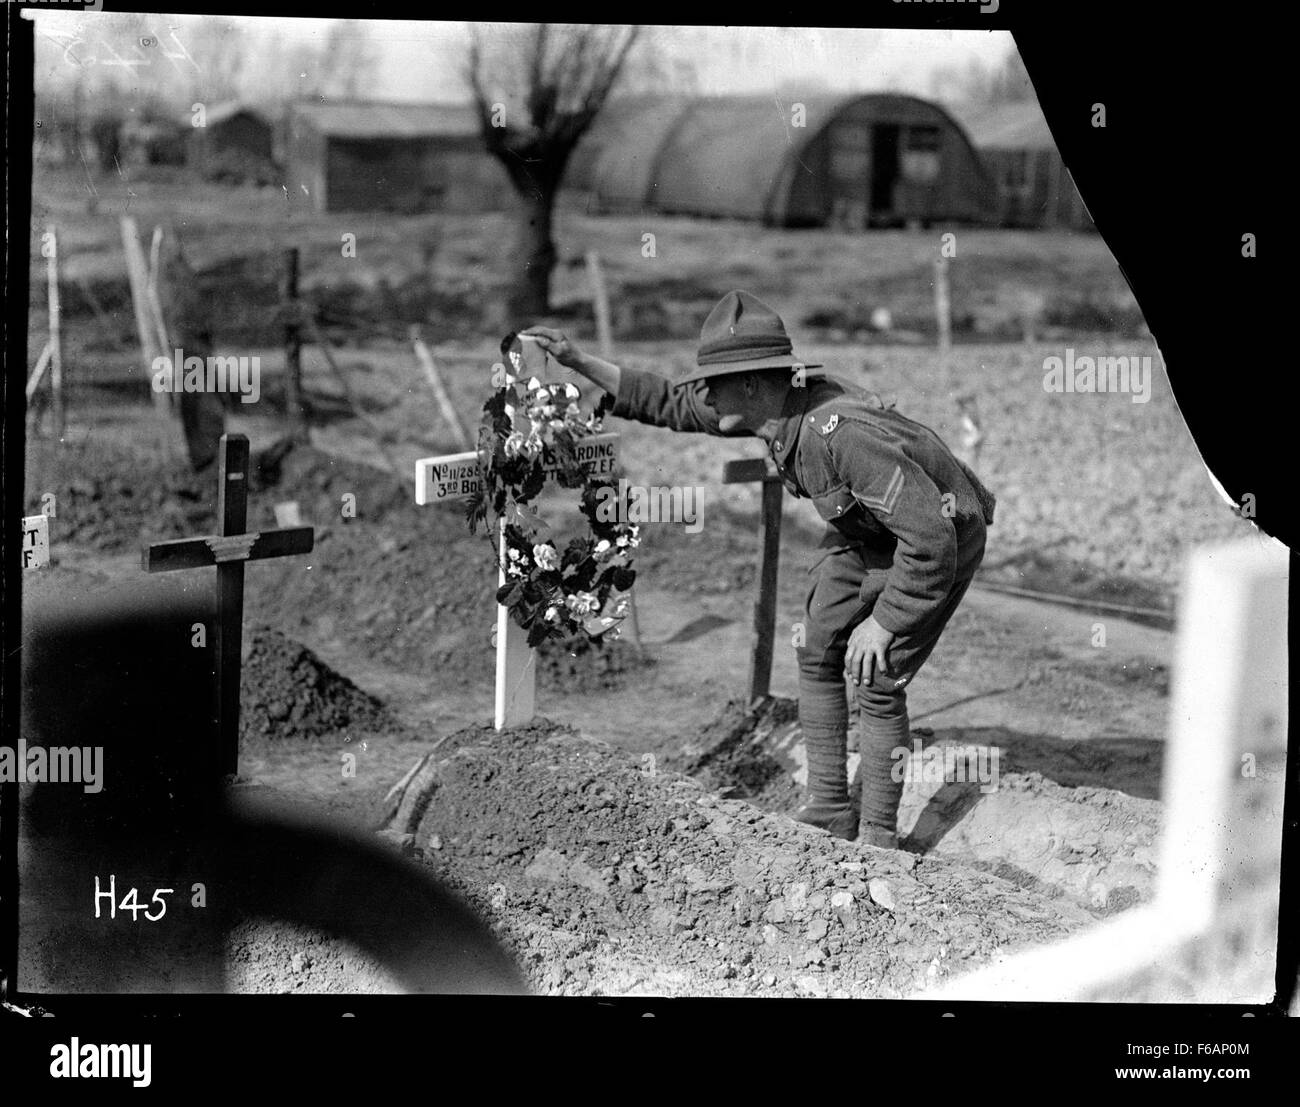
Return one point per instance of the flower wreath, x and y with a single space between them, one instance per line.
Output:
549 593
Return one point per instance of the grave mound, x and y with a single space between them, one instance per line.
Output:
606 876
1094 845
288 693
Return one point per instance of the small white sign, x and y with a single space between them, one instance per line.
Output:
36 542
451 477
456 476
288 514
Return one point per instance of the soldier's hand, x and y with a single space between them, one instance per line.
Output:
865 658
558 345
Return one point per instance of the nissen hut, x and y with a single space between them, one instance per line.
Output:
874 160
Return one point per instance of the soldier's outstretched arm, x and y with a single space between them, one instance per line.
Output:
558 345
645 397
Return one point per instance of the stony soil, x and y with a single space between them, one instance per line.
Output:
607 876
1094 846
265 956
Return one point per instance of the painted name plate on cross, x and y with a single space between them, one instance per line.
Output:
455 477
36 542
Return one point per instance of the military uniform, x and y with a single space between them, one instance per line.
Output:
905 533
906 519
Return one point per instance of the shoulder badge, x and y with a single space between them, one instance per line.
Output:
831 424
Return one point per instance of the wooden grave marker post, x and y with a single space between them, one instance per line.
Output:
228 549
454 477
748 471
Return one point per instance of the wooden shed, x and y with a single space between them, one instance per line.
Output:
873 160
368 156
1033 185
235 140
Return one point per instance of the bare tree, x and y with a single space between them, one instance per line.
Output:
561 78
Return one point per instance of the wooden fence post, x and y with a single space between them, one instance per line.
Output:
56 344
943 304
449 414
138 274
293 350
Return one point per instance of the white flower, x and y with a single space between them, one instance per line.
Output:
602 546
571 392
514 571
515 555
534 384
556 425
542 396
510 410
552 614
533 445
546 556
514 444
572 412
582 603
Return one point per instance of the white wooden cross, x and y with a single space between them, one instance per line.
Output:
1221 847
453 478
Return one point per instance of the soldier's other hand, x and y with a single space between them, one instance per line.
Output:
865 658
557 344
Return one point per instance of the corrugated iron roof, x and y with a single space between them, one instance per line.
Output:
364 119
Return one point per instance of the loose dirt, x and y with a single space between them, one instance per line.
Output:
961 799
607 876
287 693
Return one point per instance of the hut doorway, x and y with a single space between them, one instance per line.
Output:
884 170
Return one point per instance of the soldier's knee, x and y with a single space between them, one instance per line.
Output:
883 698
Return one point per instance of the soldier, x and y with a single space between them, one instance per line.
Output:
906 525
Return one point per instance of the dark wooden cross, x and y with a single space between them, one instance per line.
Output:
228 549
747 472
